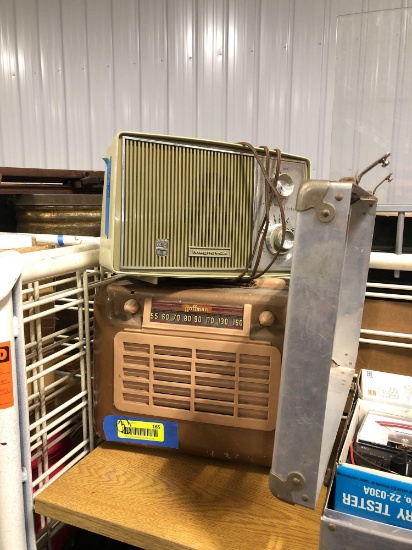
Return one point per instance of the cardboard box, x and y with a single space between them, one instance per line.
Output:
384 387
374 495
364 491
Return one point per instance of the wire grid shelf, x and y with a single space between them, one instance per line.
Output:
387 291
390 291
58 320
58 327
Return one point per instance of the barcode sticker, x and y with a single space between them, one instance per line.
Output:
149 431
141 431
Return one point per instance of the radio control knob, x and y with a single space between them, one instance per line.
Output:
266 319
285 185
131 307
274 239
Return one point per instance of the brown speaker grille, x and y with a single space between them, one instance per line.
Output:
228 383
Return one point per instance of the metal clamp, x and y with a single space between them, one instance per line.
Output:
311 195
283 489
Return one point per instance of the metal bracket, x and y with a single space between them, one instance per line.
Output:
311 195
368 202
383 161
325 302
283 489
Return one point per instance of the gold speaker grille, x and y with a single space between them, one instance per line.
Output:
227 383
190 197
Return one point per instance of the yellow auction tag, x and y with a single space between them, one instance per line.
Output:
137 429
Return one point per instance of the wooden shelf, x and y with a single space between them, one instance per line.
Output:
161 500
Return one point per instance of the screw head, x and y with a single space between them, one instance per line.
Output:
332 527
325 213
339 196
296 481
305 498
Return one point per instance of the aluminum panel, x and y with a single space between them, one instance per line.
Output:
307 354
31 114
211 42
334 227
11 123
340 530
52 99
242 56
154 67
77 86
127 65
99 32
275 64
182 68
306 78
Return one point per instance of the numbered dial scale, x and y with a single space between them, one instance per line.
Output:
194 315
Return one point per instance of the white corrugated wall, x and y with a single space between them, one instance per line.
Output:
74 72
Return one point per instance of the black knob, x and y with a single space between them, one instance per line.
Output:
399 463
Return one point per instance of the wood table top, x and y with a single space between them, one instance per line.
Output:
158 500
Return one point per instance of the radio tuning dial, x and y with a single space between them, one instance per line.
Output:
285 185
266 319
131 307
274 239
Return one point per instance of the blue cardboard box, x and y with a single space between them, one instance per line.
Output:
374 495
366 492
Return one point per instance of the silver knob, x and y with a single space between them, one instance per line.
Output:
274 239
285 185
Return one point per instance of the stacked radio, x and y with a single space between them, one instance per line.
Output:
189 359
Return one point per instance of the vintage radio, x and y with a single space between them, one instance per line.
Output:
195 208
194 367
